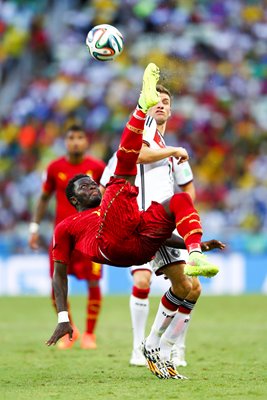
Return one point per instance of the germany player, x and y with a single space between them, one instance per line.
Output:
55 181
158 177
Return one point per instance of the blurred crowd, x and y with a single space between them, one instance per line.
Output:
213 58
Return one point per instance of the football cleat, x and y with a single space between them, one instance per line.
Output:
178 356
155 365
88 341
65 343
173 374
137 358
149 96
198 264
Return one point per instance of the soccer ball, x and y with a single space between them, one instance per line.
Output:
105 42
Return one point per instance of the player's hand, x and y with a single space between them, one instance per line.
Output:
181 155
61 330
34 241
212 244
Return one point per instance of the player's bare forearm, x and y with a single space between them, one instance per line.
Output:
34 237
178 243
148 155
60 286
41 208
190 189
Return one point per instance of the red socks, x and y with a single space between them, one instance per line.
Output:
187 220
130 145
93 308
140 293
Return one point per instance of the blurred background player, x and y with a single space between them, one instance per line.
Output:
55 181
159 175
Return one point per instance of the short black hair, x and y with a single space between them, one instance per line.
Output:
70 186
74 128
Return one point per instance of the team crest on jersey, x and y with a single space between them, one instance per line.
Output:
62 176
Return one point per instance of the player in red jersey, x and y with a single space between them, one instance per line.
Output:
56 178
114 231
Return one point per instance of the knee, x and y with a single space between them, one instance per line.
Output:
141 279
196 289
181 287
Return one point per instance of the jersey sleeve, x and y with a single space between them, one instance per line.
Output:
109 170
62 244
182 173
49 181
149 130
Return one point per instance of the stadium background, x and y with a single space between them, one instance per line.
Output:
213 56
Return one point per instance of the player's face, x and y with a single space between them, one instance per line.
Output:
76 143
161 111
87 192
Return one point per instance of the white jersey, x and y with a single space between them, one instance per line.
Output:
156 181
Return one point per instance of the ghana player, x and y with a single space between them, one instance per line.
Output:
112 230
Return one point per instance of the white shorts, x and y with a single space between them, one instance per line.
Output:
166 256
144 267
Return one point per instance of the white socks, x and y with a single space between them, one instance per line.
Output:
176 328
139 309
180 342
162 320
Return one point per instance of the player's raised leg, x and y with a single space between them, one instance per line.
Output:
188 225
132 137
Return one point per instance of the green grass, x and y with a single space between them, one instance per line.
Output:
226 352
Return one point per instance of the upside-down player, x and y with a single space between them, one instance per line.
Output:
113 231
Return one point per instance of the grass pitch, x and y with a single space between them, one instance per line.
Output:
226 353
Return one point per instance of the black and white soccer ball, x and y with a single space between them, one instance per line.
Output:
105 42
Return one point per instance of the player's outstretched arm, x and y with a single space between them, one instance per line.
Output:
212 244
178 243
60 286
148 155
38 216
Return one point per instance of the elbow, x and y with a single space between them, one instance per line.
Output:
193 196
144 160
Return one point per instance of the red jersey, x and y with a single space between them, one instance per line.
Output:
77 234
57 176
116 232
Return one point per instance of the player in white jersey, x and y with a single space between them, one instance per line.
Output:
158 174
158 181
